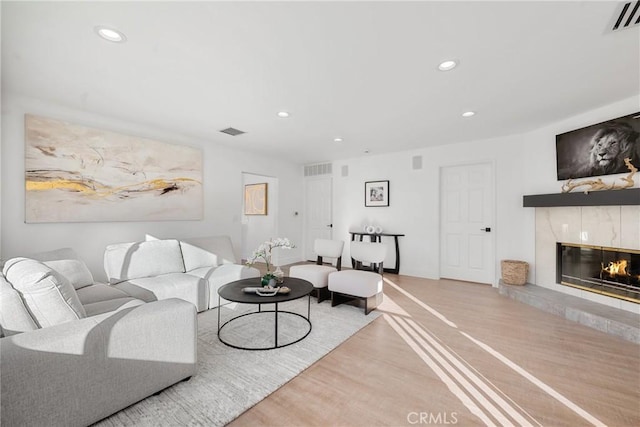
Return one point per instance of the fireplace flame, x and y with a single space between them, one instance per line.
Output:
617 268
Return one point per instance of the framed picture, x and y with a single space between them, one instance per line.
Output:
75 173
376 193
255 199
599 149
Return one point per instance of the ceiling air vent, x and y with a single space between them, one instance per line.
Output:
319 169
232 131
627 15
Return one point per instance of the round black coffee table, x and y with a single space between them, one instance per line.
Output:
234 292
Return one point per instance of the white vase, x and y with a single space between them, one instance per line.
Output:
279 275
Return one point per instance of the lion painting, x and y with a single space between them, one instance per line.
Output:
609 146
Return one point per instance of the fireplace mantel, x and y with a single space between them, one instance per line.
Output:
626 197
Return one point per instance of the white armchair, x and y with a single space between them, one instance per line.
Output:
318 274
358 284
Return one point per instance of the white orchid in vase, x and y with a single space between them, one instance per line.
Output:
264 251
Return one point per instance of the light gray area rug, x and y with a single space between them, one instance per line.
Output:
230 381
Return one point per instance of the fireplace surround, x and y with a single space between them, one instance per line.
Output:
601 226
614 272
596 220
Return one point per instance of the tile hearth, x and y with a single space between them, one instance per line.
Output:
610 320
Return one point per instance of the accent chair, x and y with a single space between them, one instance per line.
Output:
318 274
360 284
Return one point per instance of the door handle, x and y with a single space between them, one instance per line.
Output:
330 225
486 229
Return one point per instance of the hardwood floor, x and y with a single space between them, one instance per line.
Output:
447 352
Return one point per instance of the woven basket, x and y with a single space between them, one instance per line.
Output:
514 272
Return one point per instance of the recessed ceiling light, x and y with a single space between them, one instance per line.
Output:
468 114
110 34
448 65
283 114
337 139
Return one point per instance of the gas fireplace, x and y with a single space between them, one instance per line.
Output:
610 271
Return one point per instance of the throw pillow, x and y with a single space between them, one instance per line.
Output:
48 296
195 257
207 252
74 270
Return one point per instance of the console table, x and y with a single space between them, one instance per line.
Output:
377 237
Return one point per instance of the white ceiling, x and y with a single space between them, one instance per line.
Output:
364 71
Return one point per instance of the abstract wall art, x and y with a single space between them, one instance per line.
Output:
75 173
255 199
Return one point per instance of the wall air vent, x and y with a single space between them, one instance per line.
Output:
232 131
627 15
319 169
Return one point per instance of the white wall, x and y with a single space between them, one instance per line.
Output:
257 229
0 135
524 164
414 199
540 145
223 191
540 168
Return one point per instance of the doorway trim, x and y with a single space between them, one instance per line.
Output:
495 230
255 229
307 232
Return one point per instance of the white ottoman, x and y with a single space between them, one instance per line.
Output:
352 284
318 275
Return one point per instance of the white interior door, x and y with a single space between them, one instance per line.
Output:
318 212
466 223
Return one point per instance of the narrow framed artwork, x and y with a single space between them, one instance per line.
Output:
376 193
255 199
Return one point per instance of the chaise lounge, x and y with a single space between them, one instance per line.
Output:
83 350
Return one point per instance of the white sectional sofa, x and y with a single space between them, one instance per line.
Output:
189 269
73 351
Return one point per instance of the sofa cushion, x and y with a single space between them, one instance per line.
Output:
99 292
101 298
174 285
358 283
47 295
318 275
126 261
100 307
210 251
216 277
74 270
14 316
